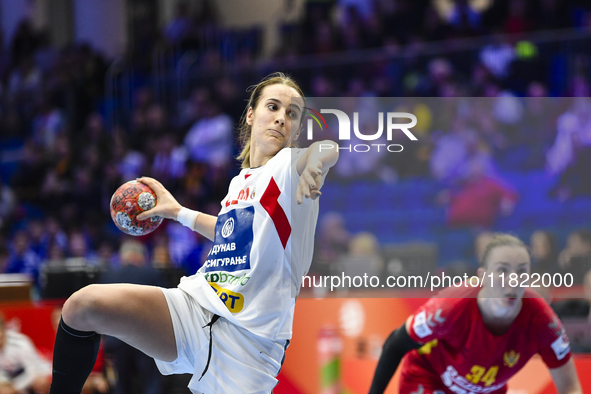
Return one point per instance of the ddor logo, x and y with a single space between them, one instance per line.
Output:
228 228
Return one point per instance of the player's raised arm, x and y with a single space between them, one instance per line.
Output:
313 166
169 208
565 378
396 346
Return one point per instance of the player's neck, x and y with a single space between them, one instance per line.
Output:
257 161
497 319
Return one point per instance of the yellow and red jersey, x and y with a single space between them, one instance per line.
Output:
462 356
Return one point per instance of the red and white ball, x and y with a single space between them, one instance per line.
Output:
131 199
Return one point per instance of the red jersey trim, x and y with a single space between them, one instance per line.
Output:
269 201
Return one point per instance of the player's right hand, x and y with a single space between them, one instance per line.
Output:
166 205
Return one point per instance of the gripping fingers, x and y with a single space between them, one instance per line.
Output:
151 183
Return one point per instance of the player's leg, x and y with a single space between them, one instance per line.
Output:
135 314
138 315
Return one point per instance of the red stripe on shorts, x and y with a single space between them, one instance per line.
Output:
269 201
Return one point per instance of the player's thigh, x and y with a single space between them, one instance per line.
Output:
136 314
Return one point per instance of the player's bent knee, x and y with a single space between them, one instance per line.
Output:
83 309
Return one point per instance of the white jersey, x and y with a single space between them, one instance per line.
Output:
263 247
20 364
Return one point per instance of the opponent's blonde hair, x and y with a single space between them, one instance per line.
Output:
501 239
245 130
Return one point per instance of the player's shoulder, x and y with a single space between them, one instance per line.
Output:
285 160
287 153
536 307
535 301
284 157
450 304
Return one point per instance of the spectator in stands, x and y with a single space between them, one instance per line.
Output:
24 42
350 27
46 55
332 242
22 259
364 256
48 124
7 204
230 97
543 252
577 309
361 8
180 26
143 100
79 251
36 232
469 266
97 140
489 127
465 19
131 365
517 21
553 14
537 131
21 367
57 183
130 163
458 152
433 27
322 86
56 256
575 258
169 162
570 156
481 242
325 41
210 139
440 75
191 110
106 255
161 255
479 200
25 80
54 233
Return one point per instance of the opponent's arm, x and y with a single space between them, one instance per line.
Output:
169 208
312 166
396 346
565 378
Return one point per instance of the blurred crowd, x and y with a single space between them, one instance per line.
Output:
61 158
339 251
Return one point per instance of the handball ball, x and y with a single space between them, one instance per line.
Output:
131 199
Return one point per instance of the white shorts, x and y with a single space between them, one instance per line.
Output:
241 362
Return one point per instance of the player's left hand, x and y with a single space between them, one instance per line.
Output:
310 180
166 205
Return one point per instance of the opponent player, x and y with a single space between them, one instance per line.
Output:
229 324
471 340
